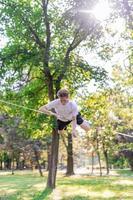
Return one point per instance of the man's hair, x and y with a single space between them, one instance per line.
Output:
63 93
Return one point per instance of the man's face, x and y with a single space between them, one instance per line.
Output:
64 100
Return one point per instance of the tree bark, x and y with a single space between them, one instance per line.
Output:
99 158
106 160
131 164
105 153
1 165
92 162
54 160
99 161
38 163
51 182
48 155
13 163
70 168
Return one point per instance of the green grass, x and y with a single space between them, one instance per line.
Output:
29 186
125 172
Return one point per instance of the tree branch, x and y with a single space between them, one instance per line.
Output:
36 38
47 72
72 46
48 33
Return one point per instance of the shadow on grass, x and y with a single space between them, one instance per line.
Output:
100 185
123 172
92 182
8 197
43 195
79 197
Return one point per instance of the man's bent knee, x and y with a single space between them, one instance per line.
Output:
85 125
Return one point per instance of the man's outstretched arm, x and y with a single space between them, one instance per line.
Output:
47 111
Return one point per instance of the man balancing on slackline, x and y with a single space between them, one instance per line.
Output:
66 112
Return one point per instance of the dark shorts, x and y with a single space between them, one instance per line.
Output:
62 125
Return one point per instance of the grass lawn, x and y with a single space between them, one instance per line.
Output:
29 186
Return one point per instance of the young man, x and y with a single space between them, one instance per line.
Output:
66 112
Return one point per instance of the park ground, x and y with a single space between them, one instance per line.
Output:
26 185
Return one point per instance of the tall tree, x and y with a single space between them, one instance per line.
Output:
42 39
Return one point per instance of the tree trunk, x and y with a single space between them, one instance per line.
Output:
1 165
12 163
38 164
51 181
98 154
92 162
61 161
131 165
70 170
130 160
53 160
48 155
106 160
99 161
17 164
